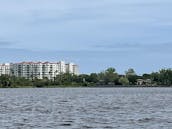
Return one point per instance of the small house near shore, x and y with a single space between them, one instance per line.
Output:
146 82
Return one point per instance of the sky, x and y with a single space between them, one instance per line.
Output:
95 34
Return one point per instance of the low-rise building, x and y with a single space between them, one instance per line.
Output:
146 82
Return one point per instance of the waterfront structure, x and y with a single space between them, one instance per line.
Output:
146 82
40 70
5 69
72 69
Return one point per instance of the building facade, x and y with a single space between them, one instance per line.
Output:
72 69
4 69
40 70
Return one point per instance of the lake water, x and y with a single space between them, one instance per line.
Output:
86 108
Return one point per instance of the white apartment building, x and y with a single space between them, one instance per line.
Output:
72 69
69 67
62 67
5 69
40 70
76 69
27 70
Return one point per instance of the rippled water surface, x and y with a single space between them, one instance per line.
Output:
84 108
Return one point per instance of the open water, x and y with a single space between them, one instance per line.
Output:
86 108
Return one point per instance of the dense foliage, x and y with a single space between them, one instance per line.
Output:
108 77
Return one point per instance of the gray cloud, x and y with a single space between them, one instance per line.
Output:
5 43
152 47
118 45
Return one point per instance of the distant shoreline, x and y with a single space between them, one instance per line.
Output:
107 78
130 86
101 86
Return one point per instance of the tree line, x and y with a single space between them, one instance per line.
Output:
108 77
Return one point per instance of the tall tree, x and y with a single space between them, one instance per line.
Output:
131 75
110 76
130 72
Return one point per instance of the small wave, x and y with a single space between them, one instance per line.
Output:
108 127
66 124
87 127
63 101
145 120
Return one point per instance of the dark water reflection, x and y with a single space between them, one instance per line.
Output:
84 108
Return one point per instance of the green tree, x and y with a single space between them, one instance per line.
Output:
93 78
165 76
5 81
124 81
110 76
130 72
132 76
146 76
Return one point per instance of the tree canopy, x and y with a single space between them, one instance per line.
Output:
108 77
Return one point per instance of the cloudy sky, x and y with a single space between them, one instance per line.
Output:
95 34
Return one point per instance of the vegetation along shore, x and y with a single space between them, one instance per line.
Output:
107 78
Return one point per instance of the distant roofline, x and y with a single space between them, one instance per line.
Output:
5 64
39 62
